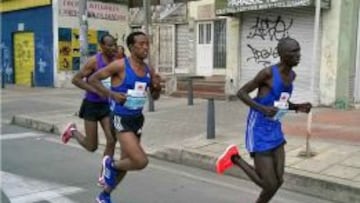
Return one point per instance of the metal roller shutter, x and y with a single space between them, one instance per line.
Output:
260 32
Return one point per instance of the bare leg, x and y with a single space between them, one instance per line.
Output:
279 159
264 175
137 158
90 141
129 143
248 169
264 166
109 135
122 173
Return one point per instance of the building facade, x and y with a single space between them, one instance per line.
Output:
328 73
27 42
102 18
40 39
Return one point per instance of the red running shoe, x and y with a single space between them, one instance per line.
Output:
224 161
66 134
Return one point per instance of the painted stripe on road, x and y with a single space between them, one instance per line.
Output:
20 189
12 136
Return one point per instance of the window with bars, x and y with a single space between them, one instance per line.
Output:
204 33
220 43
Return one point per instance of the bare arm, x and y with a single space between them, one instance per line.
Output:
111 70
259 80
303 107
86 71
155 86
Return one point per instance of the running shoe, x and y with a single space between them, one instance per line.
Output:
67 132
109 172
103 197
224 161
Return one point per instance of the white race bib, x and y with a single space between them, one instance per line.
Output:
135 103
282 105
136 98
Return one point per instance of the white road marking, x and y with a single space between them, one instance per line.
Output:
20 189
11 136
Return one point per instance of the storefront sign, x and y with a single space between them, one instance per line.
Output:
98 10
235 6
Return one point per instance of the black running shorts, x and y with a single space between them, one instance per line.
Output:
93 111
128 124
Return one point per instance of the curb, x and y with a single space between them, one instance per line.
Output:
294 181
28 122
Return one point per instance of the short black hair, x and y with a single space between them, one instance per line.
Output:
130 40
102 38
281 46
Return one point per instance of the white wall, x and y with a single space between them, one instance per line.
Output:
194 5
232 55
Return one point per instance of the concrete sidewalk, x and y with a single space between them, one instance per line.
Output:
177 132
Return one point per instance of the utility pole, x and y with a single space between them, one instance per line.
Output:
83 37
147 21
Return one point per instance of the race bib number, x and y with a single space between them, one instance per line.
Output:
135 103
136 98
282 105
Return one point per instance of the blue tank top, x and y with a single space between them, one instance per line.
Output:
129 84
264 133
91 96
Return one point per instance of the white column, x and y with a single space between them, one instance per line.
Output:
357 74
83 32
315 62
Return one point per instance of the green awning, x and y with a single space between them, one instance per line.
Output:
226 7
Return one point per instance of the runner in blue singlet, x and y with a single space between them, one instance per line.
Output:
130 80
264 138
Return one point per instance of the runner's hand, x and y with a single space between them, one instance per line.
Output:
155 86
156 79
118 97
269 111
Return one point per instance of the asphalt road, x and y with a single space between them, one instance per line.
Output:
36 167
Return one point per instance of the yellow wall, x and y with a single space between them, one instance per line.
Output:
11 5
